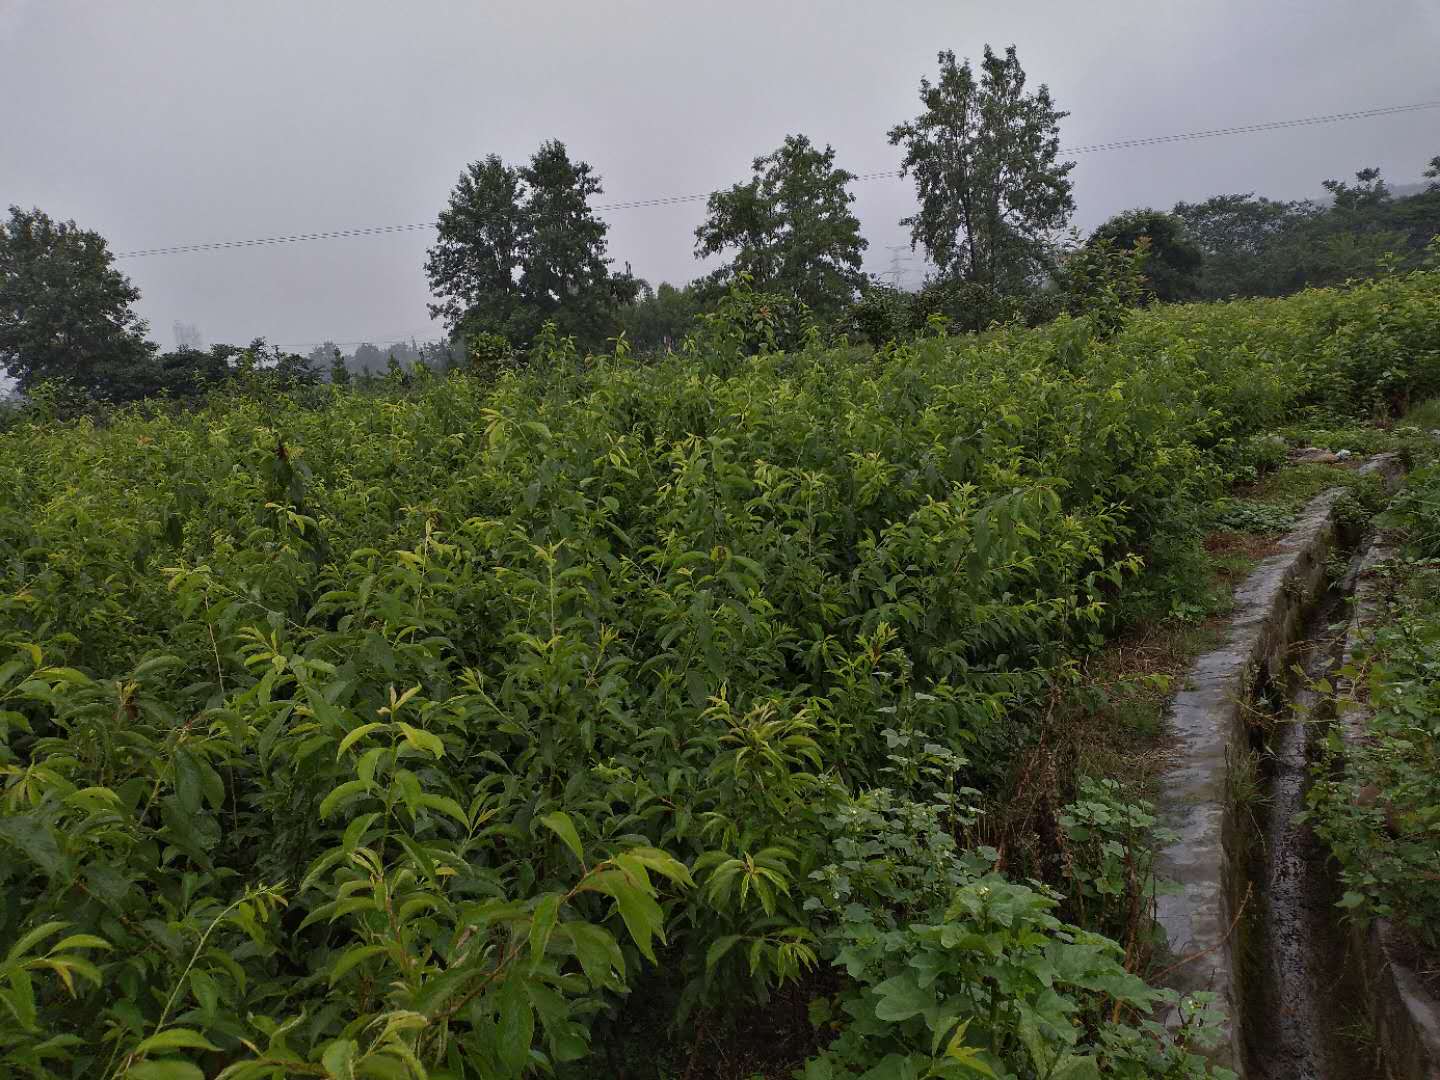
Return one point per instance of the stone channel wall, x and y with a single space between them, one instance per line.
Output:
1208 729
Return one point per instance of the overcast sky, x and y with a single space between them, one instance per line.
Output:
173 121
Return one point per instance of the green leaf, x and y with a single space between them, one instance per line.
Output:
560 824
1073 1067
424 741
79 941
175 1039
33 937
893 1067
355 736
717 951
35 839
339 1059
542 925
340 794
662 863
596 949
189 784
515 1026
900 997
643 917
356 954
22 998
9 670
355 831
445 805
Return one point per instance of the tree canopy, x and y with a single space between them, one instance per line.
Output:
660 318
985 156
1260 247
790 227
1173 260
65 311
520 246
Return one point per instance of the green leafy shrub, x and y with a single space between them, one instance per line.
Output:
993 984
882 313
1248 516
1377 802
1380 810
415 731
1109 841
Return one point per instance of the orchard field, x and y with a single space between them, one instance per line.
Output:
463 727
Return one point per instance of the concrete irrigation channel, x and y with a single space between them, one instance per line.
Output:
1251 917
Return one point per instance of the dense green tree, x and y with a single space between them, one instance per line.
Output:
1432 173
322 354
790 227
1103 281
518 247
565 276
186 373
1238 236
65 311
1173 260
1259 247
1418 219
881 313
1330 251
660 318
474 266
991 187
1352 238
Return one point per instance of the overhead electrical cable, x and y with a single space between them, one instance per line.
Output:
672 200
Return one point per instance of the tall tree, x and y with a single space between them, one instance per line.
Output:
474 267
791 228
1172 263
520 246
565 275
985 157
1432 173
65 311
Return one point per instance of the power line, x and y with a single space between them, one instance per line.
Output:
886 174
1247 129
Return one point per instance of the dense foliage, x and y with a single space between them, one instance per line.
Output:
1264 247
65 311
990 186
519 246
1173 260
433 730
1378 802
790 227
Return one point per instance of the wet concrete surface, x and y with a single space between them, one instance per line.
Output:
1307 1018
1300 1013
1207 721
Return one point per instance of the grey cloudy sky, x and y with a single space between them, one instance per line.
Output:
172 121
